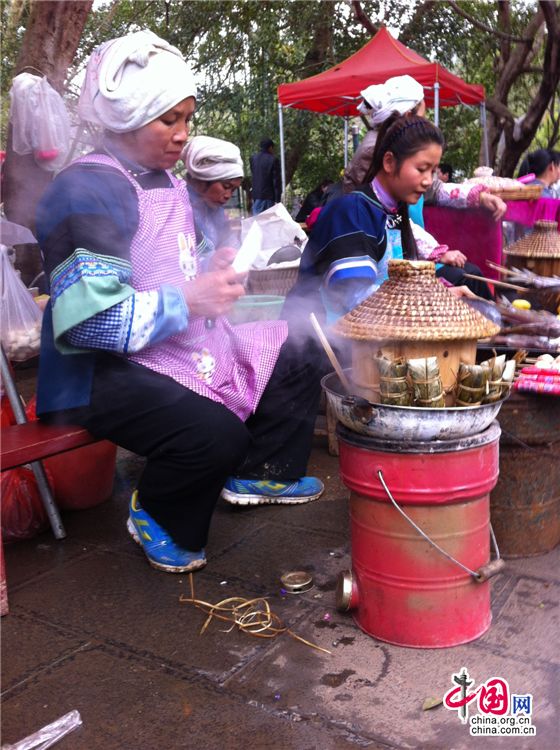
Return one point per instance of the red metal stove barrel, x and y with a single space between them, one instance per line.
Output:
402 590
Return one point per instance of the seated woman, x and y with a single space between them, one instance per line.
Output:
543 163
313 200
354 237
214 172
125 349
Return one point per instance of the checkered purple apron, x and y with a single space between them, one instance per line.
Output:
228 364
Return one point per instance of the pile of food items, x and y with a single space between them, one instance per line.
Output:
526 328
23 343
417 382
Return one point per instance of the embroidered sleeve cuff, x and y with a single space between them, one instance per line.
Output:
438 252
473 198
172 315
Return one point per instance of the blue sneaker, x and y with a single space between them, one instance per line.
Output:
267 492
160 549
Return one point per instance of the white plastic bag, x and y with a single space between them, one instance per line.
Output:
40 122
49 735
20 316
277 230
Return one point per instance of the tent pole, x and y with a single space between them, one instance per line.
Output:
282 155
436 103
484 134
345 142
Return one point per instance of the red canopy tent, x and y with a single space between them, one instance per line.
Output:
337 91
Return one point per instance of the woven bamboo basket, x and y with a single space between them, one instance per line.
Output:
521 193
277 281
412 315
505 188
538 251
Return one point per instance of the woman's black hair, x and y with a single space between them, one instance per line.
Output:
536 162
403 136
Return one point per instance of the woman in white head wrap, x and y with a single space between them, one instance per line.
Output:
399 94
214 172
135 344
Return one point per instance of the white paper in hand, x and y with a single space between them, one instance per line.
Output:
248 250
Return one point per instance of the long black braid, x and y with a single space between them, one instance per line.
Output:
403 136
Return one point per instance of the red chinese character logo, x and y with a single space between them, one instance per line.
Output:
494 697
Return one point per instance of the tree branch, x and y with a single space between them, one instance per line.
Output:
551 13
499 109
504 22
482 26
362 18
519 56
530 69
421 10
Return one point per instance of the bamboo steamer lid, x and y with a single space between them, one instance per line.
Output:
412 305
542 242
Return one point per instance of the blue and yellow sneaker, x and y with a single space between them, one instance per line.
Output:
160 549
267 492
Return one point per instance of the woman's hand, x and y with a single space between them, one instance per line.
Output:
222 258
212 294
494 204
461 291
453 258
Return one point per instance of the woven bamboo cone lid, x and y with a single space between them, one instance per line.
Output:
412 305
542 242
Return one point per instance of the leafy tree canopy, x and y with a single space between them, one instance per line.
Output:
241 50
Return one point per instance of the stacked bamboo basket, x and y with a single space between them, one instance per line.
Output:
272 280
538 251
412 315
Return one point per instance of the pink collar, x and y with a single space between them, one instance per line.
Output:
387 201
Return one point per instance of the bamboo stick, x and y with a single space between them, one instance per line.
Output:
503 269
504 284
330 354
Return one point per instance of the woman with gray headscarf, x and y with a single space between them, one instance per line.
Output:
214 172
127 351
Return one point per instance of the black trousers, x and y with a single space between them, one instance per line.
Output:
456 276
192 444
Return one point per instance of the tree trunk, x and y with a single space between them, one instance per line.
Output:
49 46
520 56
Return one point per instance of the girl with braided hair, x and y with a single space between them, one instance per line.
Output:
346 257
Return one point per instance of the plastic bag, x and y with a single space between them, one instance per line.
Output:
49 735
277 230
23 512
40 122
20 316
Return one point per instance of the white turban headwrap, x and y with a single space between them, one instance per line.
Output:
211 159
132 80
400 94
